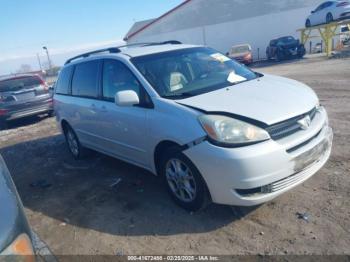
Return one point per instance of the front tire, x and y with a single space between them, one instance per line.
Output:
3 125
279 56
308 23
183 181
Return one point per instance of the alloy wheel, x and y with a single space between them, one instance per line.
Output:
72 143
181 180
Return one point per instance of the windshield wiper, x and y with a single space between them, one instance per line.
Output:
179 95
258 75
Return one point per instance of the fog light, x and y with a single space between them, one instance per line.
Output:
3 112
266 189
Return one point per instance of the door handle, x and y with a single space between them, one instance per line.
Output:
103 109
93 107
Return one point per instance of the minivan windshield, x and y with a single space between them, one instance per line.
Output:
190 72
286 39
240 49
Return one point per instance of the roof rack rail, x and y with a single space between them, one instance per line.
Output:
110 50
115 50
171 42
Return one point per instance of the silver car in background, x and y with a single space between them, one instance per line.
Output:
210 127
328 12
22 96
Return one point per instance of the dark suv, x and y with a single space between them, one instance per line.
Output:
22 96
285 47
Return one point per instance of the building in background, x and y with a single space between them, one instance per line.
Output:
223 23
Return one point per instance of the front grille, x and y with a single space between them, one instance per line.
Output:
288 127
273 187
290 150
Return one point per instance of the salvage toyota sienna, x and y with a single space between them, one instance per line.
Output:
210 127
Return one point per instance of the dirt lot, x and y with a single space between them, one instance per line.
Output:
76 211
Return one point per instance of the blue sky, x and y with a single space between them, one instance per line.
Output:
66 26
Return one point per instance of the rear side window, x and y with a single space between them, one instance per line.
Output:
19 83
62 85
84 82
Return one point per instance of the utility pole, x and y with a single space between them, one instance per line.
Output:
48 57
41 68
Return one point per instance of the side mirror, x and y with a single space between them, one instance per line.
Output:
312 12
126 98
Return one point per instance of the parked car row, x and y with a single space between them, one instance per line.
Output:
279 49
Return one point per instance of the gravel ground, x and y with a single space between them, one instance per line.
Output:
76 211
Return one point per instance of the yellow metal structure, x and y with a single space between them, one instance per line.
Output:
326 31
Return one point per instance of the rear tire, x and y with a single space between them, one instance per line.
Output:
279 56
329 18
51 113
268 57
3 125
74 146
183 181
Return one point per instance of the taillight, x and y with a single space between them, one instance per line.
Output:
43 84
3 112
343 4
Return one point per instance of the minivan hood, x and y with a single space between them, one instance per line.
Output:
268 99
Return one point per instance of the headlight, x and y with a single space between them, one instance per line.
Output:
22 246
318 105
231 131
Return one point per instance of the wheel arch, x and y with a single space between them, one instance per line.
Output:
64 124
160 148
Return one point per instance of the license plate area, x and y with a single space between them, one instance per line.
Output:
25 96
293 51
312 155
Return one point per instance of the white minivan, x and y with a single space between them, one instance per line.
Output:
210 127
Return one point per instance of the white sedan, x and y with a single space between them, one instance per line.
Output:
328 12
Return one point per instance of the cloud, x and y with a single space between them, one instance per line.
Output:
11 62
87 46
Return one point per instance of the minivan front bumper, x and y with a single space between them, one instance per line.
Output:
255 174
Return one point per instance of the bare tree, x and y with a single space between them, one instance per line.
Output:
24 68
